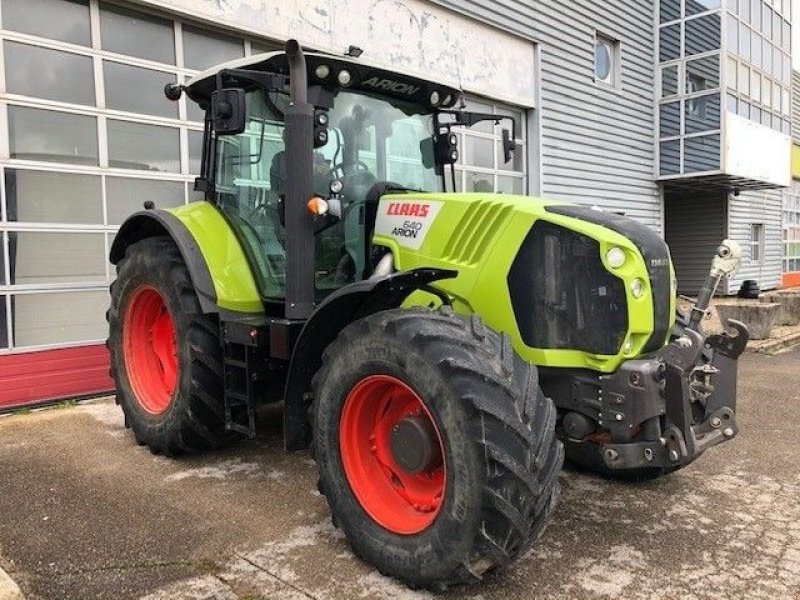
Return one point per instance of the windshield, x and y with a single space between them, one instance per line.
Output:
370 139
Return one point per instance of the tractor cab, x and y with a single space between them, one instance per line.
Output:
373 131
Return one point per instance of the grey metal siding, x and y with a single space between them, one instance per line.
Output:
510 15
757 207
796 106
596 142
694 225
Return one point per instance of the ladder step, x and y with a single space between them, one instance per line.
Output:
236 395
233 362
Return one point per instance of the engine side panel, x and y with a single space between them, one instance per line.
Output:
480 235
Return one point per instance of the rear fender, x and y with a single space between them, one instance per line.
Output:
341 308
219 269
151 223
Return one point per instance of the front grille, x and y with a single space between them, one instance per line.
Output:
562 295
655 252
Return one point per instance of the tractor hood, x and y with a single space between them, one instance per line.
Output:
576 286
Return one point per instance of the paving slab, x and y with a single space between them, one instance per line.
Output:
86 513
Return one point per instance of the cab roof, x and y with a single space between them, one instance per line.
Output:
365 77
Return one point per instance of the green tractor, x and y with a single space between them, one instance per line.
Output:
437 352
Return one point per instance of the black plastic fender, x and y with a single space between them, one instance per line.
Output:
156 222
338 310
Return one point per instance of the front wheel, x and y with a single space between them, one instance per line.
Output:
435 446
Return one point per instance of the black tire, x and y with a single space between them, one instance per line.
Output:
498 438
194 420
588 457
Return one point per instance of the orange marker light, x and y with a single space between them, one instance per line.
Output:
317 206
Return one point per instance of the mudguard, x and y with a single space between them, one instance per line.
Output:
220 271
338 310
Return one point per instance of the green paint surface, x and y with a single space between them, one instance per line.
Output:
479 236
233 279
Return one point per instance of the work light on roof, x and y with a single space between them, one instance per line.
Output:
322 71
344 77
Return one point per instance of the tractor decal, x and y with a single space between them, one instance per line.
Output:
407 222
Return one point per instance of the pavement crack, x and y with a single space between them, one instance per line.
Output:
279 578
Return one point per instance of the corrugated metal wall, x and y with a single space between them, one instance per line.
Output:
511 15
596 141
692 246
757 207
796 106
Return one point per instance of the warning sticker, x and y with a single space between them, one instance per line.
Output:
407 221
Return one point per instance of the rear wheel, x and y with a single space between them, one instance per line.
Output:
435 446
165 353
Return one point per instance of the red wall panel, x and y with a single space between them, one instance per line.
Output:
40 376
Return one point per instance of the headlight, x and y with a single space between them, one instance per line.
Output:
344 77
615 257
637 288
322 71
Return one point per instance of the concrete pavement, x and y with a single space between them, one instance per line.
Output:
86 513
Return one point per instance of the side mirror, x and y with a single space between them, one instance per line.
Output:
228 111
509 146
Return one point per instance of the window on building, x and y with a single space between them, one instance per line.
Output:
481 166
606 60
791 229
756 242
89 137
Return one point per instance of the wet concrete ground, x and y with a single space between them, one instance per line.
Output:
86 513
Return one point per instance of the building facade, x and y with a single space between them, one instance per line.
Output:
649 109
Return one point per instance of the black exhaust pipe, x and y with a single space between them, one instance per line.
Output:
298 75
299 120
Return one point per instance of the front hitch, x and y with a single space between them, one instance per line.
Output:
682 398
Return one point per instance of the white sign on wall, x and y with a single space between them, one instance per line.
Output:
411 36
756 152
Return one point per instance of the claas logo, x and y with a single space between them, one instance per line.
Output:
408 209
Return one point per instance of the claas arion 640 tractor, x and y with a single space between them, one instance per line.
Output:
438 352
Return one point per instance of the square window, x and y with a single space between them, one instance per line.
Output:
51 197
606 60
144 147
669 42
49 74
203 49
478 152
37 258
703 34
52 318
138 90
669 80
126 195
63 20
670 10
36 134
126 31
669 157
479 182
701 154
670 119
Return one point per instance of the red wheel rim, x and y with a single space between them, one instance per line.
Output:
402 502
150 349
